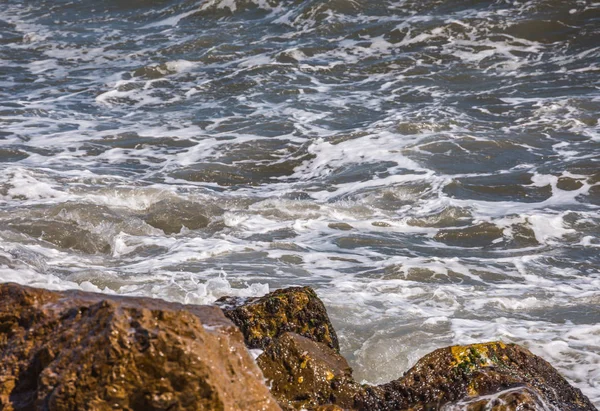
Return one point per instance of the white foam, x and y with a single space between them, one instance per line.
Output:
30 185
546 228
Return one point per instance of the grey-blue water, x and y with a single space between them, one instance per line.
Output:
431 168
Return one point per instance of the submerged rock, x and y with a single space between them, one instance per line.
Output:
75 351
171 216
474 236
295 309
62 234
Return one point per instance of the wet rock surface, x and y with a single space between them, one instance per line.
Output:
172 216
457 373
514 399
75 351
306 372
294 309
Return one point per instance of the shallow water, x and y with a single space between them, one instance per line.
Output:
431 168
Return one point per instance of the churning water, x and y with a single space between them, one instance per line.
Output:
430 167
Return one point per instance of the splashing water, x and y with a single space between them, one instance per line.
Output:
431 168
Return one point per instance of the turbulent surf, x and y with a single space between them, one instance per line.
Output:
430 167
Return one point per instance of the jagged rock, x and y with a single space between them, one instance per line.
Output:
75 351
304 374
295 309
453 374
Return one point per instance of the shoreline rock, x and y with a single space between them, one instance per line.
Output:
293 309
304 374
476 375
75 350
306 371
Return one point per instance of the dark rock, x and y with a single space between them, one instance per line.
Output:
568 184
475 236
295 309
77 351
304 374
453 374
340 226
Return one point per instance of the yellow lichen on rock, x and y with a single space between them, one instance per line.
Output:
329 375
474 356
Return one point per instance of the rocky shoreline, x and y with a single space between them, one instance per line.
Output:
83 351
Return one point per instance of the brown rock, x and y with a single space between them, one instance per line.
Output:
328 408
75 351
304 374
568 184
295 309
457 373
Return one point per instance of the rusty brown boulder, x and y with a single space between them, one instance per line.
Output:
294 309
304 374
468 373
74 351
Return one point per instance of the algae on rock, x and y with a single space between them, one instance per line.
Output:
294 309
74 350
453 374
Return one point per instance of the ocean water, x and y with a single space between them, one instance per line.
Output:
431 168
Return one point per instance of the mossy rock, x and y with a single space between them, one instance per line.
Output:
302 365
460 373
295 309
